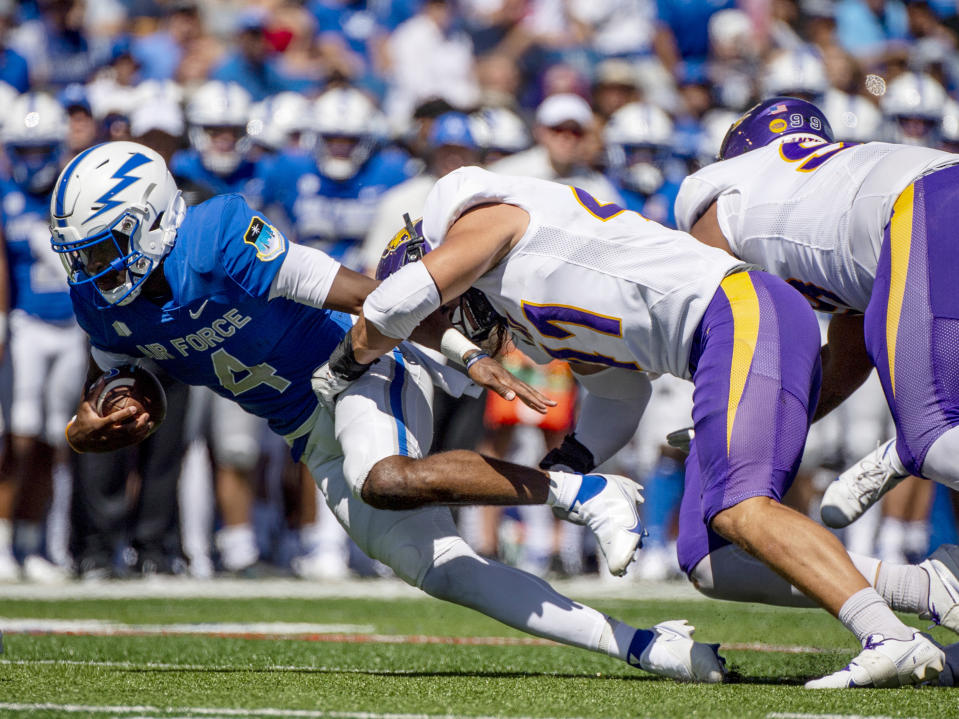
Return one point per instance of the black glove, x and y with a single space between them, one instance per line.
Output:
571 455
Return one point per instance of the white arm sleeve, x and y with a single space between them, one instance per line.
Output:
105 360
402 301
305 276
610 410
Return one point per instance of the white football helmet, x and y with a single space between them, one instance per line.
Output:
913 105
348 127
277 121
217 114
33 133
499 132
853 118
796 73
949 130
114 215
638 139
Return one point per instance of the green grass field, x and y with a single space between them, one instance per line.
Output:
377 676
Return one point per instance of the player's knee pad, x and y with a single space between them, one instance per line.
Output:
419 543
451 570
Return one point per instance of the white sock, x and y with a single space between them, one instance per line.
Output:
6 536
619 640
28 539
905 587
865 613
563 488
237 546
522 601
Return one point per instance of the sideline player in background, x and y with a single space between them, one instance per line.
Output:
47 348
142 265
619 296
865 232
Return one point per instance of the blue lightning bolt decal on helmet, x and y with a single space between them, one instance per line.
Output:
771 120
113 217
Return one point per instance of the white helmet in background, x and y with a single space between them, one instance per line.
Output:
913 105
348 127
796 73
114 215
217 114
715 124
277 121
499 132
853 118
949 130
34 131
638 140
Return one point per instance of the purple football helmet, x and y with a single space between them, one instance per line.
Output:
472 314
772 119
407 245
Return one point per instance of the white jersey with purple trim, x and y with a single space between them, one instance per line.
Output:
588 281
811 212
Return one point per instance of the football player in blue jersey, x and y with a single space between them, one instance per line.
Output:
217 162
638 139
216 296
329 198
47 348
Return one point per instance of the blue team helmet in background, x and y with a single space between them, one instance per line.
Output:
771 120
452 128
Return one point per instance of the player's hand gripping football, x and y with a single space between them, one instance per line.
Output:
488 373
89 432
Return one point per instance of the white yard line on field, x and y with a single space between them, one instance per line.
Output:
800 715
151 712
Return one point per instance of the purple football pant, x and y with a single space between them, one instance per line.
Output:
756 371
912 320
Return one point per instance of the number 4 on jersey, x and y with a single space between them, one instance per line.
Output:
239 378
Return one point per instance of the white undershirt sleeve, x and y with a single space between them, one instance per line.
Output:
305 276
610 410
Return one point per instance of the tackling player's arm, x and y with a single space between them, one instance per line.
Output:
406 304
89 432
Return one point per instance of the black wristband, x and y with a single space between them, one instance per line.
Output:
343 362
572 453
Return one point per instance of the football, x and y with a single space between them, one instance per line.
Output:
127 386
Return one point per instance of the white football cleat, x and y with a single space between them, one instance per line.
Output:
886 663
673 653
9 569
942 566
609 505
42 571
859 487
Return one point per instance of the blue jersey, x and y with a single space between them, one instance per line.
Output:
38 284
332 215
199 184
657 206
219 328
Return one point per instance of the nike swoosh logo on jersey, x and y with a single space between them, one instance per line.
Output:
196 315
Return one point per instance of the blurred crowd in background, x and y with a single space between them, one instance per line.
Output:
334 118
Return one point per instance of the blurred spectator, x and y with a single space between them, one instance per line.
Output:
54 44
157 117
429 57
82 131
683 30
252 64
13 66
161 52
499 133
499 80
614 85
563 148
866 27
